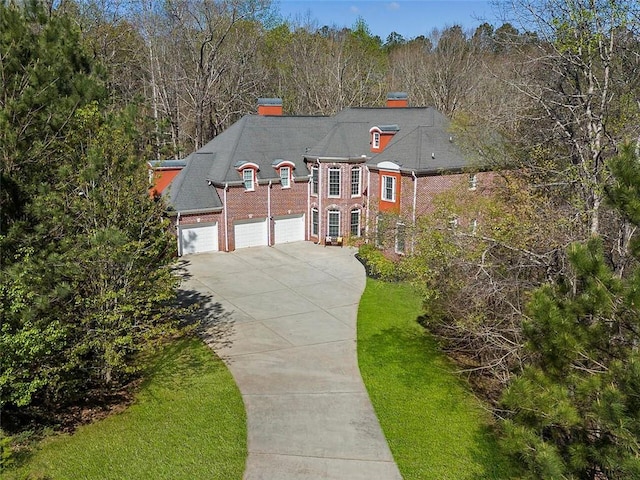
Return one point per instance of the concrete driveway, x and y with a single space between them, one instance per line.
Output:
284 320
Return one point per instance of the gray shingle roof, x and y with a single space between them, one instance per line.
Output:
421 144
189 191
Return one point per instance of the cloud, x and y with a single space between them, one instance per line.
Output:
354 9
393 6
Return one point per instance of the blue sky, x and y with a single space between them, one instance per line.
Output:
409 18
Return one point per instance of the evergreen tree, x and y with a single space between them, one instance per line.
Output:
574 412
86 283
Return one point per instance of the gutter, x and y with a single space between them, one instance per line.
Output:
197 211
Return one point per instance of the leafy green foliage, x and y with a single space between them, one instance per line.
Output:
189 408
376 264
574 411
86 282
6 452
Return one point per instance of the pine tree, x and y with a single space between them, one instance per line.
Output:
574 412
86 283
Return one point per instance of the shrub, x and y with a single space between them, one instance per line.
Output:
6 451
377 264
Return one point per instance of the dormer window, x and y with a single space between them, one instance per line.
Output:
248 179
248 170
285 170
381 135
285 177
375 141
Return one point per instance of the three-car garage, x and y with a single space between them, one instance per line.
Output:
201 238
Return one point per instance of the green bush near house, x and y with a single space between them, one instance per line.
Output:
187 422
377 265
434 425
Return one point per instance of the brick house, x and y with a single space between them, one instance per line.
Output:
272 178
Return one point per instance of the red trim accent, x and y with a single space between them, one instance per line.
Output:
385 205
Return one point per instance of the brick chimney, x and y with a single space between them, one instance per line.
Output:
397 100
269 106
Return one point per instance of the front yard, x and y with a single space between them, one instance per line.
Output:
188 422
435 427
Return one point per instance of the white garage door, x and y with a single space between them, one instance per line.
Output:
250 233
198 238
289 229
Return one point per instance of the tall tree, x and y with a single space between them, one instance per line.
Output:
574 411
86 282
582 50
46 75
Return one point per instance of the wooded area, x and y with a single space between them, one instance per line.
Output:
536 302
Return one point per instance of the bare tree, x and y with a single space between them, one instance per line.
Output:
573 84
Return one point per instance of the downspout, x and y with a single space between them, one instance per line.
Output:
269 214
309 219
179 236
320 213
415 197
366 226
226 218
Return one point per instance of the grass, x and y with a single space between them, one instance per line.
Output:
434 425
188 422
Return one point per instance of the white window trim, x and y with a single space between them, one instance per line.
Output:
334 169
315 182
384 188
253 179
315 214
359 192
375 140
329 212
359 212
286 177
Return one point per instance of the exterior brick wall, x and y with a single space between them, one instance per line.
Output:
244 205
344 204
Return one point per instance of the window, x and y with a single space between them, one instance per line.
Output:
314 222
401 235
247 177
375 143
314 180
355 223
285 177
356 175
333 229
388 188
334 182
473 181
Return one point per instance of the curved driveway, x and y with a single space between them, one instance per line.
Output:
284 320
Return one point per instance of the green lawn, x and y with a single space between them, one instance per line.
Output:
188 422
435 427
